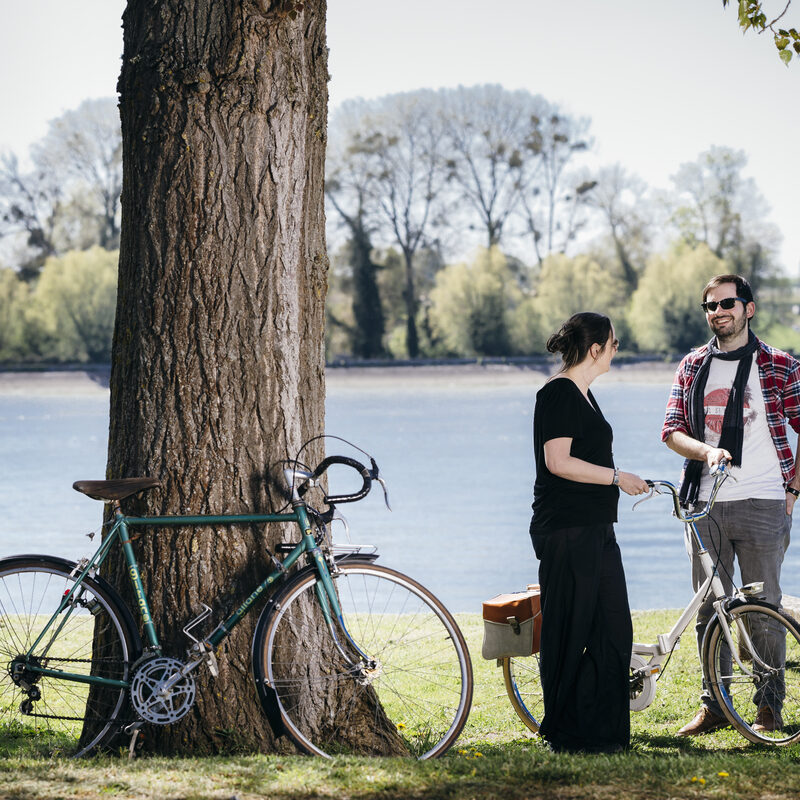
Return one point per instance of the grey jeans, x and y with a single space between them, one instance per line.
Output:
755 533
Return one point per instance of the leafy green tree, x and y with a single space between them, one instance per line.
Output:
568 285
471 305
72 307
354 311
13 302
665 314
752 16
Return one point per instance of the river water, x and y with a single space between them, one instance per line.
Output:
457 458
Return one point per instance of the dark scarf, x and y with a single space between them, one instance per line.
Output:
732 435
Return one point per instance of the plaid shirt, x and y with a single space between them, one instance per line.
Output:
779 374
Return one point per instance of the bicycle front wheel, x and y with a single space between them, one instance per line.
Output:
524 689
391 677
757 683
46 713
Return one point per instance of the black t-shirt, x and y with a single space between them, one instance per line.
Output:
562 411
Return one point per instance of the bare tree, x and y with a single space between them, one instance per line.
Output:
553 200
349 189
29 206
406 142
716 204
620 199
494 141
84 145
393 154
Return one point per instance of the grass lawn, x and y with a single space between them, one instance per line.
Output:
495 758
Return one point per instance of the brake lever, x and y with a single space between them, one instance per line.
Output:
374 474
337 515
653 491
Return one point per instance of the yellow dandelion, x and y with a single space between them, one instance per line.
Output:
400 725
478 755
723 774
701 781
694 779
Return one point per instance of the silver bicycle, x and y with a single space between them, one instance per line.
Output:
751 650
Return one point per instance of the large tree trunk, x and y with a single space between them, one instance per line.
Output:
218 356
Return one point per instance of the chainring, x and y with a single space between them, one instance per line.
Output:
154 705
643 687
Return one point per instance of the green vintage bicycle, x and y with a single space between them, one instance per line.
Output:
348 657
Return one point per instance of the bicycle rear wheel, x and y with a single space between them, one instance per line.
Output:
91 636
761 674
397 682
524 689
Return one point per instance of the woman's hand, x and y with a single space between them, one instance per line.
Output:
632 484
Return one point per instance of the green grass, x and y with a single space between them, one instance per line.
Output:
495 758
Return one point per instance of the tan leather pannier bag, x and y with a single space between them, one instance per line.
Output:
512 624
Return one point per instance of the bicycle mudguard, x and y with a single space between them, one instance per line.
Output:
113 595
737 602
266 694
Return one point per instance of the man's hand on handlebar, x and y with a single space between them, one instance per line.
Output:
715 455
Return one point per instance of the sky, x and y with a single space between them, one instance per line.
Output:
661 82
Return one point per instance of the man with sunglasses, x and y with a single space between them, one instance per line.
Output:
731 400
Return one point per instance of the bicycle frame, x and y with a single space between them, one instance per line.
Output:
667 642
120 530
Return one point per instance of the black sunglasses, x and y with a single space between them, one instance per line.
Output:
728 303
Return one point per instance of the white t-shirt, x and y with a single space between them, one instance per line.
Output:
760 474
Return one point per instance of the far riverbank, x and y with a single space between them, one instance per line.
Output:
94 379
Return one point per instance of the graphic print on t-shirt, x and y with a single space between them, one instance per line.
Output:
716 401
760 473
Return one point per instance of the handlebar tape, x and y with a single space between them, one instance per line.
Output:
347 462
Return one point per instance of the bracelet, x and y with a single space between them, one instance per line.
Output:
615 482
790 490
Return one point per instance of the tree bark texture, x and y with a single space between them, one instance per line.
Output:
218 355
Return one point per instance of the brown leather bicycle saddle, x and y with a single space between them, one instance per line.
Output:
115 490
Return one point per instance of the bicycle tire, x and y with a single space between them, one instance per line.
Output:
523 683
524 688
410 694
741 692
96 636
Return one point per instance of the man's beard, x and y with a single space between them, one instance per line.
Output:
733 332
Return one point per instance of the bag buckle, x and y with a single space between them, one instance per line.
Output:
514 623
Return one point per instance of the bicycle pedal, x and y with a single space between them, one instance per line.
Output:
211 660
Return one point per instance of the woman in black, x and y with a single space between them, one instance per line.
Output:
586 622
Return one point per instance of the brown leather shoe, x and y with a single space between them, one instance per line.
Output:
767 720
705 722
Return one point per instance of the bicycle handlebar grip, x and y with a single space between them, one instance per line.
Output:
347 462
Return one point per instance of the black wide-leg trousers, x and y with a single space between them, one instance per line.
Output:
586 639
